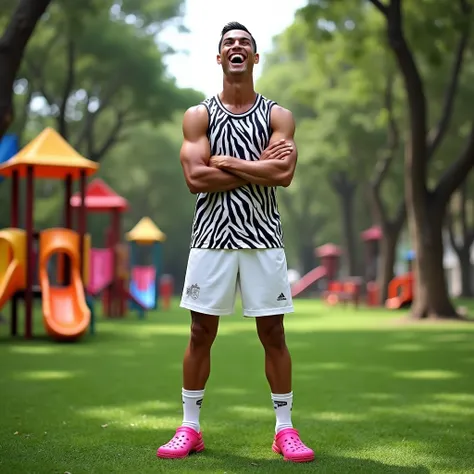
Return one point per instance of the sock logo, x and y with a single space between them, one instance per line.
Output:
282 297
199 403
279 404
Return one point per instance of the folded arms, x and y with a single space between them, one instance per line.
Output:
206 173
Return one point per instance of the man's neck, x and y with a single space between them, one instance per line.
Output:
238 93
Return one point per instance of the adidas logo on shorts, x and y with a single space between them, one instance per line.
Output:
282 297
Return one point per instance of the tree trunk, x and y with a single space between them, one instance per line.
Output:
461 237
431 298
12 45
306 255
345 188
425 207
347 206
388 247
466 272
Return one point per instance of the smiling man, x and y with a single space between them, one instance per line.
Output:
238 148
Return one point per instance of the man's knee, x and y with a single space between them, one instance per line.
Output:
271 332
203 330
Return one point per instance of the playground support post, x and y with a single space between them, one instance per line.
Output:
157 264
15 196
29 253
14 220
82 224
67 224
116 293
67 198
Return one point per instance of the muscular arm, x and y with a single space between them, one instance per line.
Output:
195 156
274 172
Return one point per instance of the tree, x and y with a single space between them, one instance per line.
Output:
94 74
336 107
460 225
12 46
391 225
426 205
305 206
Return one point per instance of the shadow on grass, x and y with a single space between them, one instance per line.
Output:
366 400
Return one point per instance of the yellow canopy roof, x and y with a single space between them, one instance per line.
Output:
146 232
51 156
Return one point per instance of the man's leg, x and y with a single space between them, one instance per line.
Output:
277 367
266 295
197 366
209 292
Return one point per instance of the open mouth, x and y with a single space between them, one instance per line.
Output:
237 59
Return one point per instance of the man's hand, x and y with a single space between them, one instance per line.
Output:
277 150
277 163
219 161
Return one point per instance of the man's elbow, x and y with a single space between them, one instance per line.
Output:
286 179
193 185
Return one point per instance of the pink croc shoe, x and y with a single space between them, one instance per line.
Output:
288 443
184 442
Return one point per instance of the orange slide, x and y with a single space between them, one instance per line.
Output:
400 291
12 263
65 312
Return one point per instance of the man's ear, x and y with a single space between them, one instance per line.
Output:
256 58
218 59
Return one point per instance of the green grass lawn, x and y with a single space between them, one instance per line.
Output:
370 396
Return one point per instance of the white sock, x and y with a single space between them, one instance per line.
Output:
192 401
283 404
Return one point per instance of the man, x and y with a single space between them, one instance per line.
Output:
238 147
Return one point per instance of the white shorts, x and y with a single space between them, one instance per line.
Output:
213 278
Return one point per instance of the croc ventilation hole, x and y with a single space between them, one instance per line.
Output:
177 442
294 445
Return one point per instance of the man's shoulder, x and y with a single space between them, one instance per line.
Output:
279 113
196 116
276 107
201 109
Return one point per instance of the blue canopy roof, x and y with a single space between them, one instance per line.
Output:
8 148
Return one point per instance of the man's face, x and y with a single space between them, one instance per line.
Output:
237 55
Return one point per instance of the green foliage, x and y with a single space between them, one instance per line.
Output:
331 67
94 70
146 170
342 120
97 71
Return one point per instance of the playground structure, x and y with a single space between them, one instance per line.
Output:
335 290
58 265
112 274
64 308
145 279
108 270
400 289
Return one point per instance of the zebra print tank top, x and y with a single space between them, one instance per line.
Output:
246 217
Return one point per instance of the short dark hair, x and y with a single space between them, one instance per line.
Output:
235 25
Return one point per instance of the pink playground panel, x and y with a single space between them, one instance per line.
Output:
143 277
100 269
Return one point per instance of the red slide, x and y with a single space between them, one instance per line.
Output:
311 277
